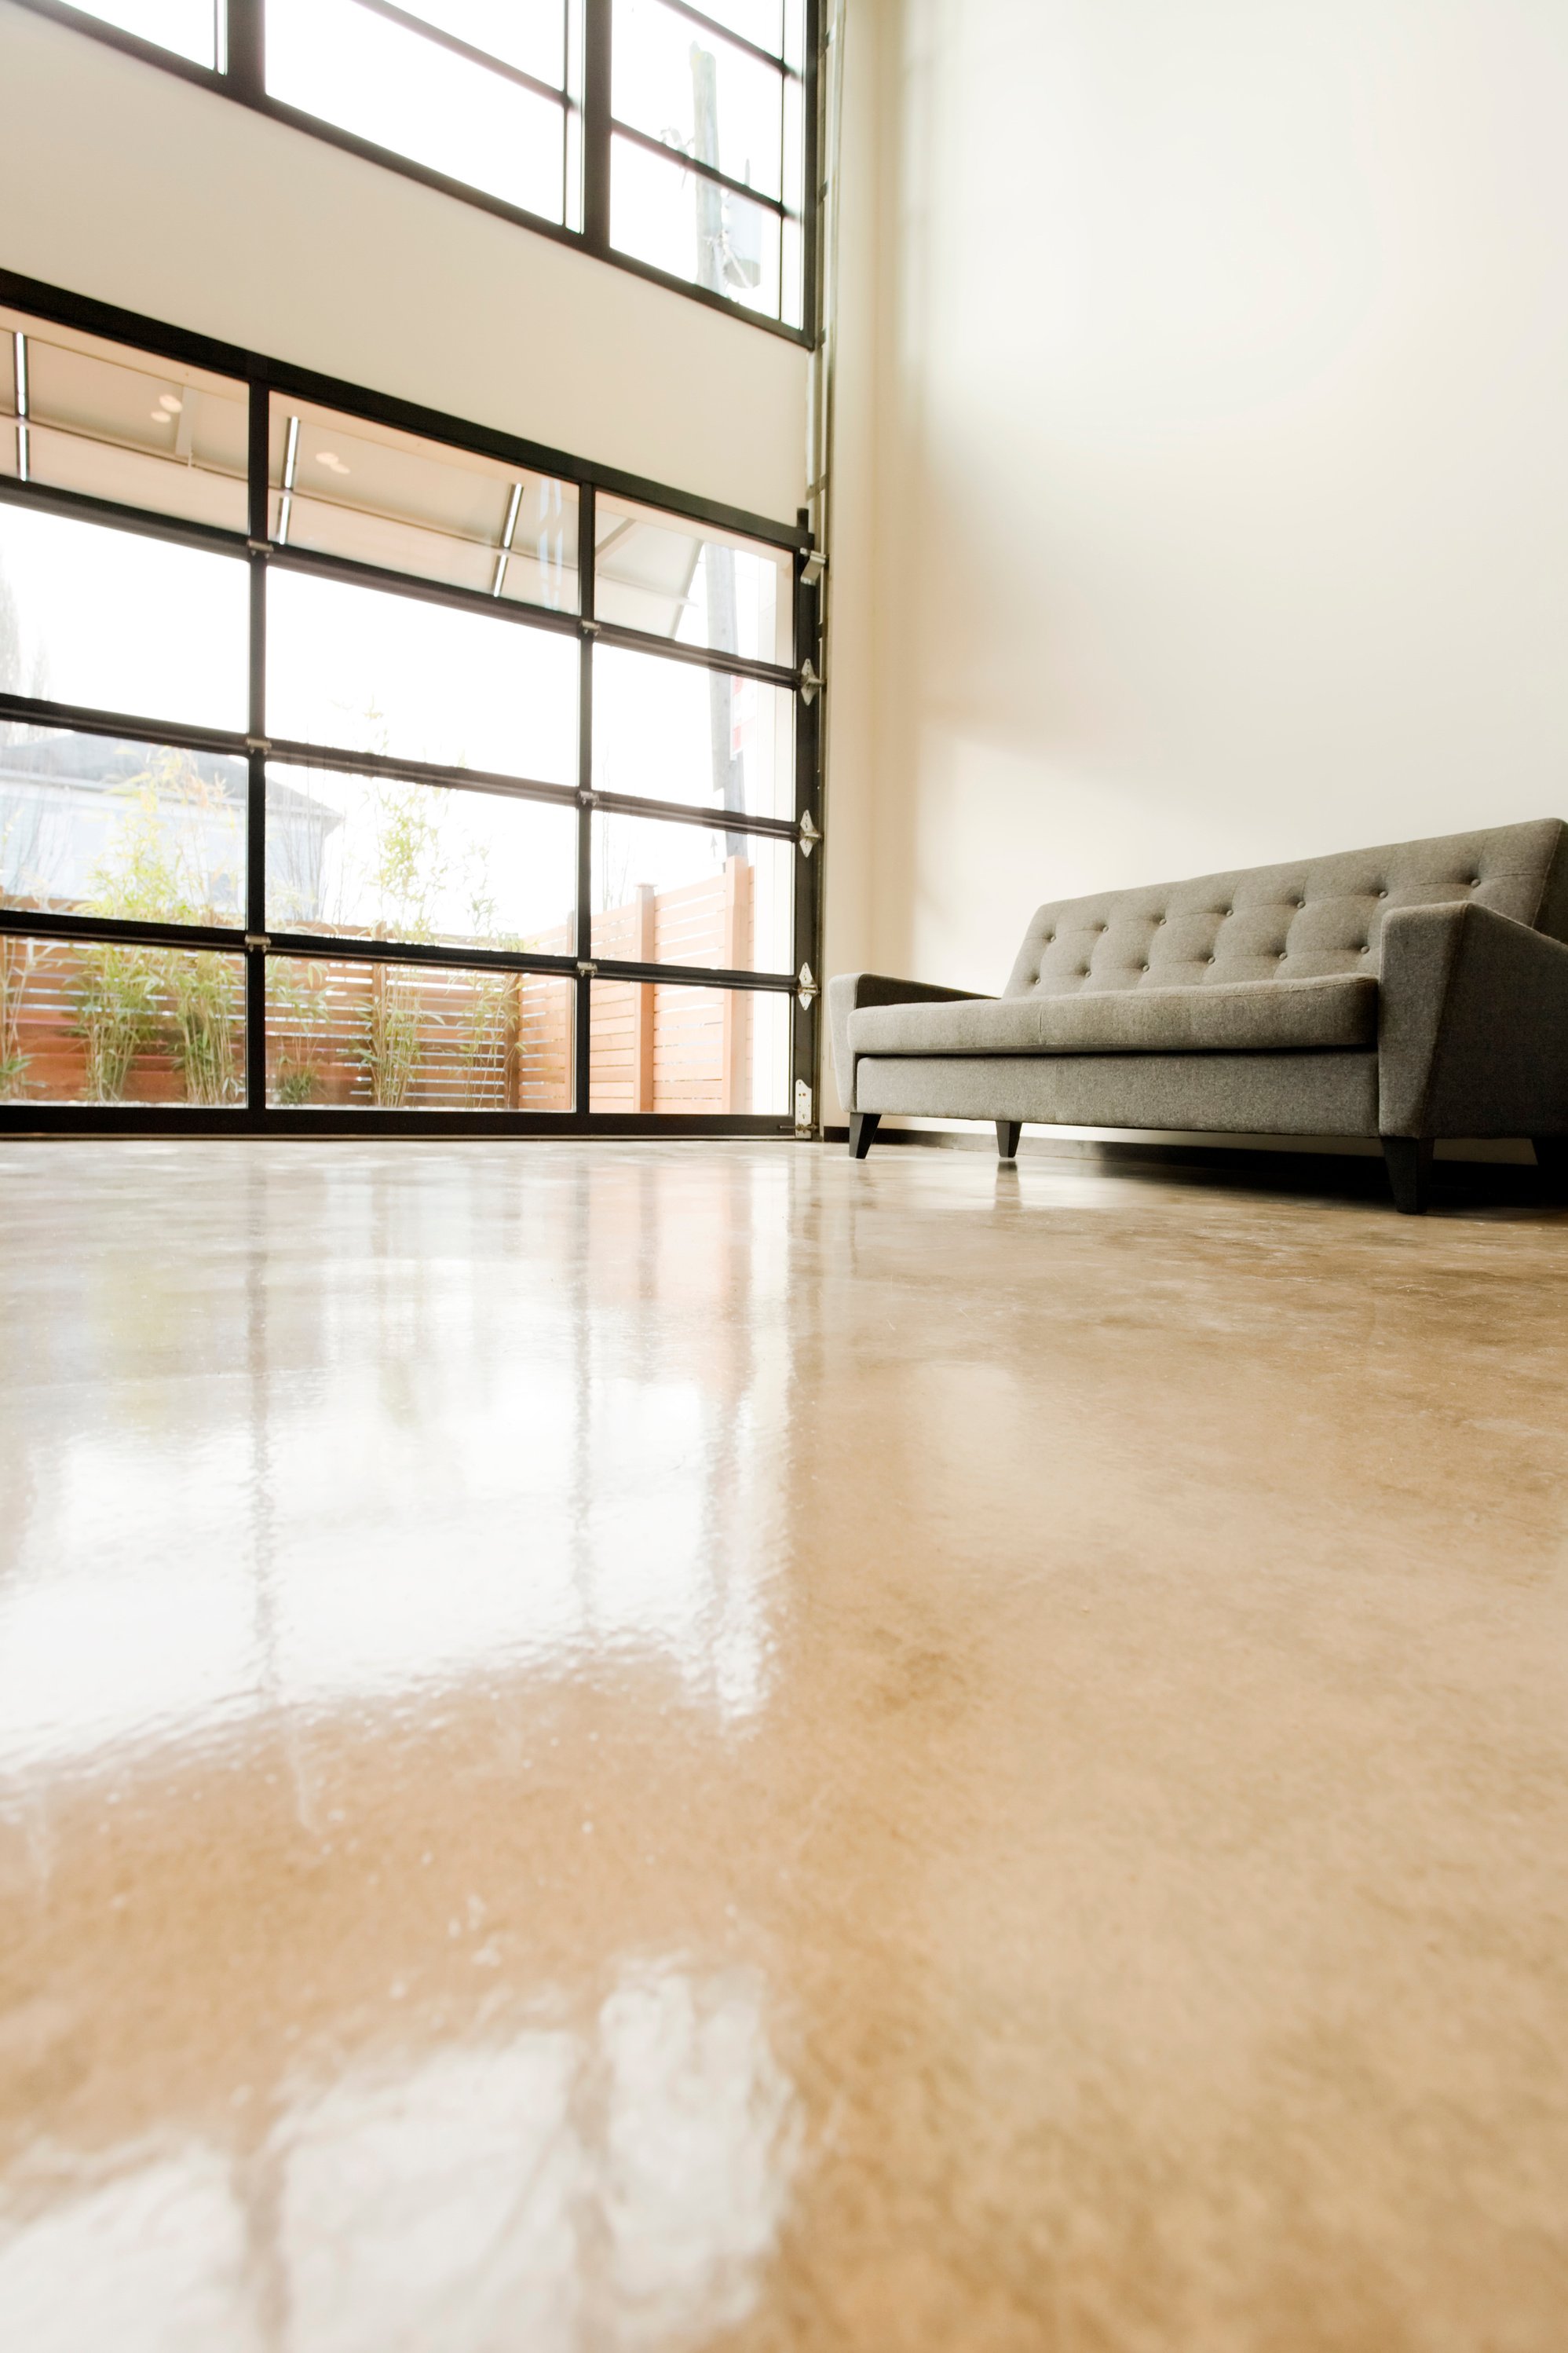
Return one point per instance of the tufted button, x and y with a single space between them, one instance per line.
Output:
1208 959
1142 967
1474 883
1382 894
1366 947
1158 921
1049 937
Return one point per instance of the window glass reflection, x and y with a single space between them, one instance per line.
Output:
98 825
368 670
675 730
697 93
676 579
680 222
92 417
388 84
666 893
380 858
348 487
102 617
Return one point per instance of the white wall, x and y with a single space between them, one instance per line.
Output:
1219 418
123 182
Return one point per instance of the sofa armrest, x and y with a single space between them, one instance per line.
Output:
847 991
1472 1025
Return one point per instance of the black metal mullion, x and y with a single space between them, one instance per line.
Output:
78 720
45 924
715 818
147 522
440 38
804 1058
705 172
243 80
259 441
583 1008
597 73
734 41
151 335
695 976
245 70
341 760
642 641
355 575
360 949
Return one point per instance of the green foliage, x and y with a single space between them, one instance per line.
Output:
131 998
18 959
299 1021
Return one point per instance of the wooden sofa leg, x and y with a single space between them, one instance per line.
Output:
863 1125
1409 1160
1008 1131
1552 1159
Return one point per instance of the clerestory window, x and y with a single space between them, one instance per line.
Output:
673 137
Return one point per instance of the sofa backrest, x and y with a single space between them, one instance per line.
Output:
1297 922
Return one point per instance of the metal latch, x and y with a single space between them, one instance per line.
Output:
809 835
810 685
807 990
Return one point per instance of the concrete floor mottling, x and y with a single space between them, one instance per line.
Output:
635 1747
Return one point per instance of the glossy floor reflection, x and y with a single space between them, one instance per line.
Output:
612 1746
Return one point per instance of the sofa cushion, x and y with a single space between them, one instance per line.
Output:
1226 1016
1298 922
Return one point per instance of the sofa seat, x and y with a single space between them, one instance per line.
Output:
1338 1011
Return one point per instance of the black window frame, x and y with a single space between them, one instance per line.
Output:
240 76
264 377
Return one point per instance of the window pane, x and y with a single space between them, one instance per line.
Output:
754 20
378 857
186 27
701 587
101 618
382 1036
670 731
367 492
675 220
390 85
697 93
97 1022
526 33
667 893
371 671
662 1049
118 423
93 825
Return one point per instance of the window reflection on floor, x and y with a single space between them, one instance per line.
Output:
474 1438
619 2183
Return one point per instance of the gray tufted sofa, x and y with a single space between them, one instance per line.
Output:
1407 993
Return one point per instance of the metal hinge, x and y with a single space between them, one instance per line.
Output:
811 570
809 835
803 1108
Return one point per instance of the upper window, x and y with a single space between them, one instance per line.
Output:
477 91
668 135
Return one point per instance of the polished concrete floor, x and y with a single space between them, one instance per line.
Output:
685 1746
